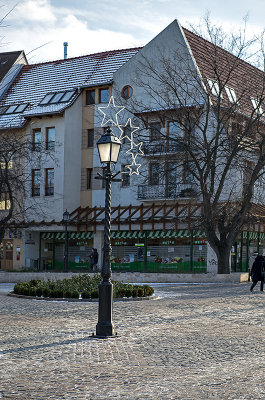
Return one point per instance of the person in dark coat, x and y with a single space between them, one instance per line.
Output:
257 272
94 259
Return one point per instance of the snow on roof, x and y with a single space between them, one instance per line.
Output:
36 80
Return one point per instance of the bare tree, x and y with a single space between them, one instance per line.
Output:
210 109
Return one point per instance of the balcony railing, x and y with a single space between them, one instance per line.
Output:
161 148
181 190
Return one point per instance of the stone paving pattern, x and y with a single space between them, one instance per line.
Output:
194 342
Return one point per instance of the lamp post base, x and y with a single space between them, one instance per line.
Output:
105 326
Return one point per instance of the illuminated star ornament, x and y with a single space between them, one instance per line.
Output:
110 113
110 116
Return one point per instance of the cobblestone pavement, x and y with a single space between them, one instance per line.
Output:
193 342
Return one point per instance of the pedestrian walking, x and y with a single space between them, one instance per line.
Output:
94 259
251 260
257 272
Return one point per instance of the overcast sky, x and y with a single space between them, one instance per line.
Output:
92 25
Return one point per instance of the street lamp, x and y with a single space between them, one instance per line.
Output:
66 217
108 149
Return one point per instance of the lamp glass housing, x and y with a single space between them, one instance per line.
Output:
108 148
66 216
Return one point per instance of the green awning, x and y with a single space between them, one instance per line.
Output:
254 235
180 233
71 235
127 235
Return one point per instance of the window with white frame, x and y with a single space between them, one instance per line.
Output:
214 87
231 94
256 105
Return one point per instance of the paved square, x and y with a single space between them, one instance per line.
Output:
194 342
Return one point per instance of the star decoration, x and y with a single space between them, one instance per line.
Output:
131 129
110 116
110 113
135 150
133 167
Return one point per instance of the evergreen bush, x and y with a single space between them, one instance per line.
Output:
82 284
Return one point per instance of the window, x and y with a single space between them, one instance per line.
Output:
58 97
214 87
171 179
67 96
6 161
50 138
257 106
49 182
125 176
188 172
90 97
155 128
36 140
247 173
4 201
35 182
16 108
231 94
190 125
90 138
103 96
89 178
127 92
47 98
154 174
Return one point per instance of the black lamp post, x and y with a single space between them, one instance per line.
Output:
66 217
108 149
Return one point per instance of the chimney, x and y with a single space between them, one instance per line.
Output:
65 49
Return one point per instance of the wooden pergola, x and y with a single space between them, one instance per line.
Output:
163 215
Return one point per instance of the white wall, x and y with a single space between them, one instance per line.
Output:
66 161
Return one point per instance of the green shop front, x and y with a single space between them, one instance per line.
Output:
246 244
170 251
51 250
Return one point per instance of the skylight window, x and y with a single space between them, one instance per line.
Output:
47 98
10 109
14 109
58 97
256 105
67 95
214 87
231 94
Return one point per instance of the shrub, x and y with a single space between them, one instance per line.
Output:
46 292
57 293
85 294
32 291
82 283
94 293
38 291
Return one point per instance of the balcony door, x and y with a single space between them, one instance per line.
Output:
171 179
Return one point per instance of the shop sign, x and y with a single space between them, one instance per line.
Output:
168 242
82 243
139 244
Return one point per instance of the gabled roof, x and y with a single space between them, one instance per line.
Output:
35 81
214 62
8 59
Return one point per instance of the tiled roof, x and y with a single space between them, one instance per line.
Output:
213 61
36 80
